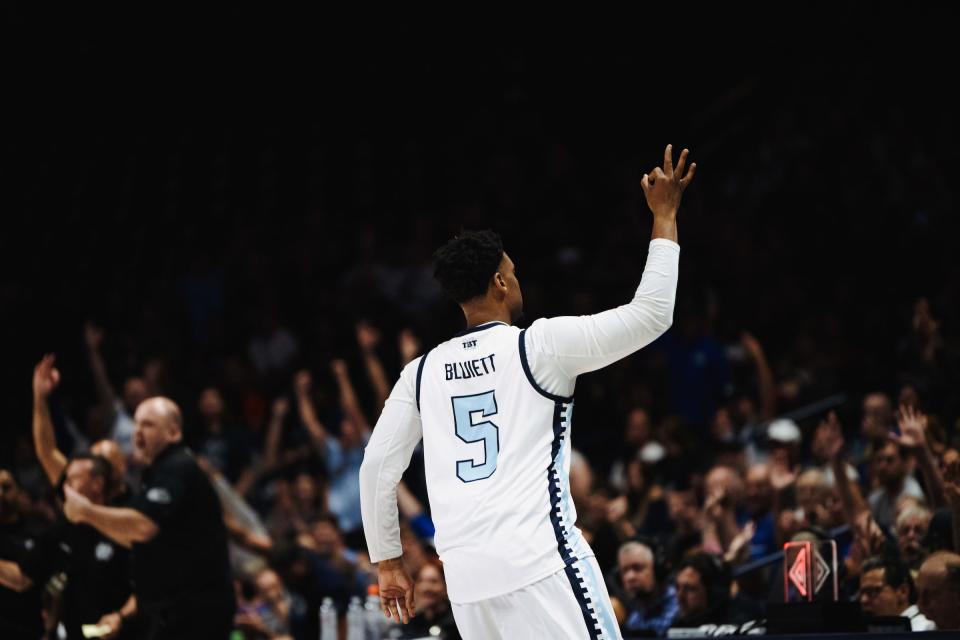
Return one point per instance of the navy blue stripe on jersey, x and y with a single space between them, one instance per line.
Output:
570 561
479 327
580 593
526 370
423 360
553 487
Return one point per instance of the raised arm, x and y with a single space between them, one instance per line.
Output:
348 397
663 188
913 435
409 346
45 380
829 435
367 338
271 449
765 380
385 459
93 337
560 349
302 384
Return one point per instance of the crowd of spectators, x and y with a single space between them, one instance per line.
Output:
807 389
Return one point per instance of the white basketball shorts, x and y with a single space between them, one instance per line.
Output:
572 603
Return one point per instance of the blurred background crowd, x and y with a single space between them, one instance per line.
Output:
271 273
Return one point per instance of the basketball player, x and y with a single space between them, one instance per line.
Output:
493 406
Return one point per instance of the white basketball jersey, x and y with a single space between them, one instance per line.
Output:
497 458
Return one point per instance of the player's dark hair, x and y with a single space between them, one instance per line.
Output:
464 265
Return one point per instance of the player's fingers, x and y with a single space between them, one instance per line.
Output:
645 183
681 163
397 611
687 179
668 160
411 605
387 603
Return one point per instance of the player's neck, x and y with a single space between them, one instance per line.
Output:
481 314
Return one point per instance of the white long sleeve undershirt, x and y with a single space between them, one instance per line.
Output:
558 350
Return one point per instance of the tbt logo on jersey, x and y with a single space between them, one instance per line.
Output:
469 344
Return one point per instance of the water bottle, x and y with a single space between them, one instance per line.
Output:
328 620
355 621
373 615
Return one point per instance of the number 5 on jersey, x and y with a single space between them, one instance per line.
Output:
472 428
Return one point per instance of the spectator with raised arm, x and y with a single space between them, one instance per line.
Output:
914 438
119 412
409 346
368 337
46 377
218 440
342 455
890 464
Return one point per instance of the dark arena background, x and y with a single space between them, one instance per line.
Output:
236 208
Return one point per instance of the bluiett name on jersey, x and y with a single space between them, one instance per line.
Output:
470 368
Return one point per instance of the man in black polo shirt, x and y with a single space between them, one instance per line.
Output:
97 569
175 525
19 597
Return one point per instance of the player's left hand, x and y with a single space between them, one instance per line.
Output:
396 590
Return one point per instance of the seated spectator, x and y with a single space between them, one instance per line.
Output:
886 589
912 525
703 593
938 590
894 480
758 500
642 510
636 434
19 597
224 445
267 613
434 617
650 602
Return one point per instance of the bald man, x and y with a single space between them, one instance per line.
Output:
938 590
175 527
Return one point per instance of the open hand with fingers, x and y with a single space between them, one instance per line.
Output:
913 427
